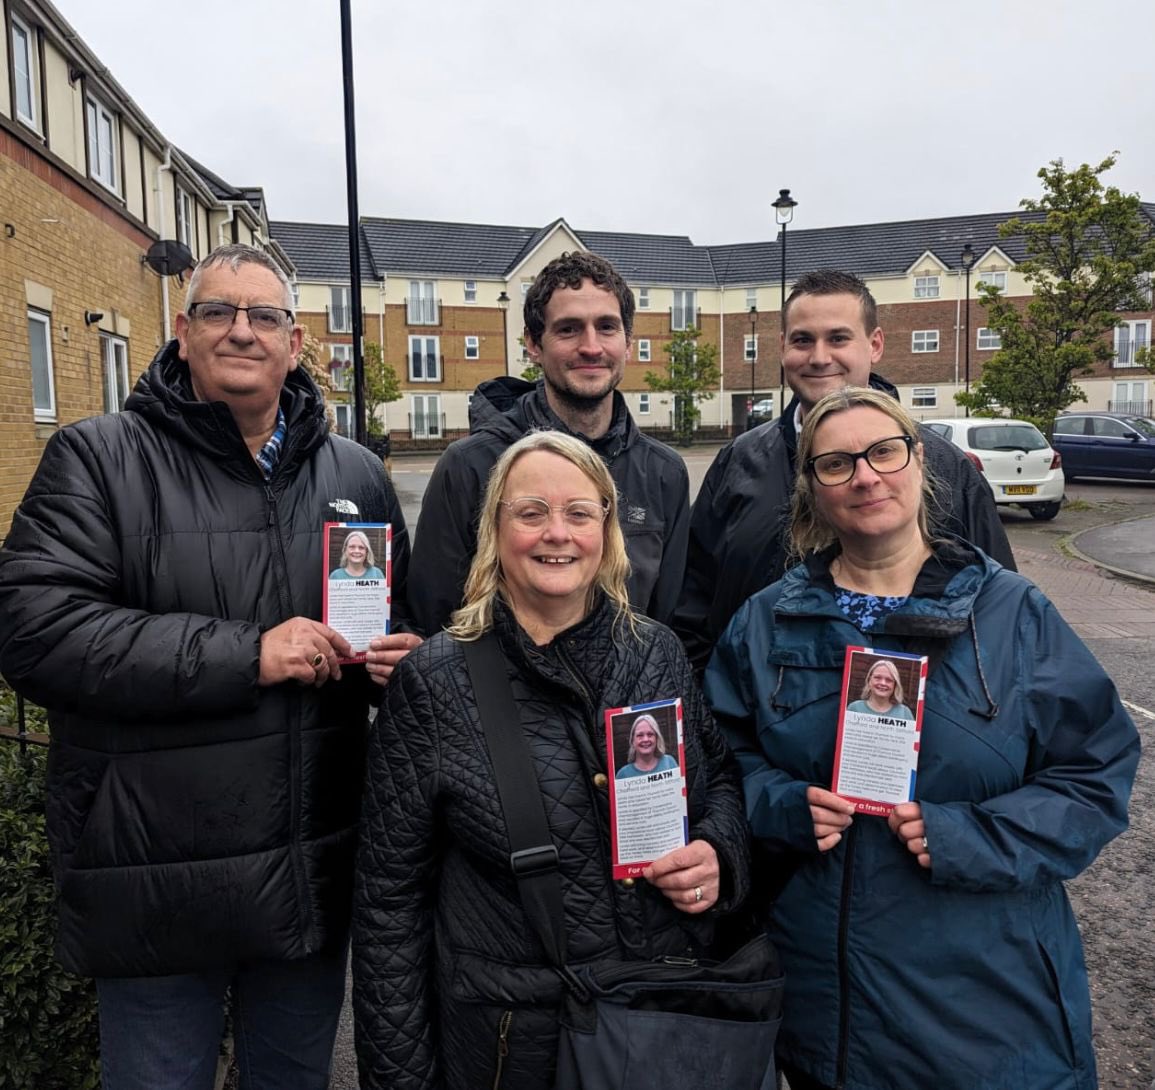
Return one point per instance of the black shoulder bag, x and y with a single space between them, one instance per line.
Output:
645 1023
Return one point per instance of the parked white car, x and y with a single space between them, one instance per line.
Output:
1013 456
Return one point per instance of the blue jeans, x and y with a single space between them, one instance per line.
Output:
164 1032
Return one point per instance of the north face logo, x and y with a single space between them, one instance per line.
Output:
344 507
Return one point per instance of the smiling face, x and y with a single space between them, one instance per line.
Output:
584 347
645 739
550 569
882 684
235 364
826 346
871 505
355 551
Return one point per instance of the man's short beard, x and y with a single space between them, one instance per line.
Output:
578 402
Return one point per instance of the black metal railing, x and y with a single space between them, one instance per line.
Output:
426 425
1133 408
20 734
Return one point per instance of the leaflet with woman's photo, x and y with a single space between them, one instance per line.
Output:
358 580
879 729
647 764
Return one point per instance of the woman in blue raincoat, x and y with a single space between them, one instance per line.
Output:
935 948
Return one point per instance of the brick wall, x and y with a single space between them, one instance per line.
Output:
57 234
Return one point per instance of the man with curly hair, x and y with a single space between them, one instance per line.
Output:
579 316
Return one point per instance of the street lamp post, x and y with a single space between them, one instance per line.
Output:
753 360
503 302
784 213
967 257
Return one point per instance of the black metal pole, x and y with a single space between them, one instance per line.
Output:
753 360
967 343
360 432
782 321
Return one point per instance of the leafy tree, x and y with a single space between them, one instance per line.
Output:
691 375
1089 252
312 360
532 371
381 387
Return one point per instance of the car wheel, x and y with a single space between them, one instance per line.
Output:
1044 512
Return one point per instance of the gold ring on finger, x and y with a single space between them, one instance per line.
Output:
317 661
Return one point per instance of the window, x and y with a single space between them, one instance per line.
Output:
988 340
472 348
114 353
341 366
750 350
643 351
344 414
424 359
924 397
751 299
924 340
993 279
40 350
684 313
425 419
471 291
1129 338
643 404
24 64
1130 397
102 158
643 298
340 314
525 287
184 217
296 289
422 305
926 287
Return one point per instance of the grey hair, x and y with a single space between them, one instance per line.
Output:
233 257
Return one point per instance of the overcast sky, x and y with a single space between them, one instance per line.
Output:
635 115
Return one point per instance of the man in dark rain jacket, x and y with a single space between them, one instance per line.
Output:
160 595
739 520
578 328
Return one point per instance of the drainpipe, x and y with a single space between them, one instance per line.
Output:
381 341
226 222
722 355
957 324
162 168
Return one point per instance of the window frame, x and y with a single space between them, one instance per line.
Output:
751 299
644 404
426 399
928 396
94 107
927 290
681 297
43 318
990 336
924 350
469 291
643 298
1131 325
750 348
426 337
476 346
984 278
185 224
644 350
345 308
421 306
31 38
341 354
109 344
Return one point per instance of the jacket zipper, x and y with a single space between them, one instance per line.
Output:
281 565
502 1046
843 969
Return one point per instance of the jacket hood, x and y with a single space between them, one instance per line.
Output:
164 396
509 408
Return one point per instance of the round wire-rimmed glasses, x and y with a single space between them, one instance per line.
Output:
838 466
533 513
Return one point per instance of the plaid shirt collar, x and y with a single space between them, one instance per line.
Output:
270 454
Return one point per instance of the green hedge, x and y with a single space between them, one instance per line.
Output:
48 1024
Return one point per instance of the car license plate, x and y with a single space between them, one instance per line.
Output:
1019 489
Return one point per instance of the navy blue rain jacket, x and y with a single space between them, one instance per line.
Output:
969 975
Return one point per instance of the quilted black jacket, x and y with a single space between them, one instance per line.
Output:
442 951
196 818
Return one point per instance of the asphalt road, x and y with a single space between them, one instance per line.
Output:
1113 899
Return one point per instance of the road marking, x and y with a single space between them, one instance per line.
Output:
1138 710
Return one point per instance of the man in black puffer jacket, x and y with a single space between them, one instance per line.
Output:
159 594
740 519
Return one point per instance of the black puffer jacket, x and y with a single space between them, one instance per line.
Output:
653 501
441 946
740 522
195 818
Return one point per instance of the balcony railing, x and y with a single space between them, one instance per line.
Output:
20 734
423 311
681 318
342 377
1131 408
426 425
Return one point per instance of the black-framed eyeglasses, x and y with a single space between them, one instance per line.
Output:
838 466
532 513
262 319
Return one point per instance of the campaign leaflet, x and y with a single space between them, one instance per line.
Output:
358 581
647 787
879 729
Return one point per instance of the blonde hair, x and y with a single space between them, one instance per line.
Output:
486 579
370 561
809 531
645 717
893 671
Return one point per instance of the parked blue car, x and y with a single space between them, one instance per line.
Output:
1095 444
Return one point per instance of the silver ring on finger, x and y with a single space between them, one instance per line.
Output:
697 894
925 846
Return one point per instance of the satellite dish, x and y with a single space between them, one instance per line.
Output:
168 257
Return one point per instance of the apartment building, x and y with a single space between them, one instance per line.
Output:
102 219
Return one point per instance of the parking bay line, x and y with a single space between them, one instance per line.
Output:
1146 715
